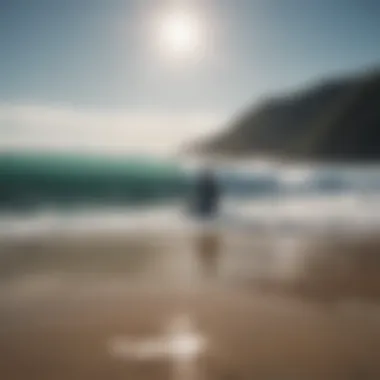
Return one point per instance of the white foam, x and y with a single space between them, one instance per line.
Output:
305 198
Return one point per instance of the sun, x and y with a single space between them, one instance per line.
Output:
180 34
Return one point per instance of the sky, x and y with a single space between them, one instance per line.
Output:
115 76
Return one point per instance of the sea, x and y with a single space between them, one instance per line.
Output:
256 195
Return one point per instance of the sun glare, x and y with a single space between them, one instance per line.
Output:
180 34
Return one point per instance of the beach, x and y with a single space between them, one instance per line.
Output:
269 307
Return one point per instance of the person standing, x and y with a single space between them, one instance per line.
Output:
207 203
207 195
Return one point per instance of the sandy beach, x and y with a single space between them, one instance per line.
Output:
267 308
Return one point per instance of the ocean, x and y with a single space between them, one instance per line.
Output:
288 198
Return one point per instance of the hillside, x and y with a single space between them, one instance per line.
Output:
338 120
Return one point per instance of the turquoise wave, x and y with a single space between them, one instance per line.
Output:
31 179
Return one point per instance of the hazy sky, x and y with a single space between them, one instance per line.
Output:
95 73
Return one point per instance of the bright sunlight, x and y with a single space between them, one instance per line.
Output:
180 34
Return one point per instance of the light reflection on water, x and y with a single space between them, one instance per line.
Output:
180 343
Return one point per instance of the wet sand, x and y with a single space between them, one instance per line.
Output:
268 307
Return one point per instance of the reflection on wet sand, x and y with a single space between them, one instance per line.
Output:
180 343
262 308
208 249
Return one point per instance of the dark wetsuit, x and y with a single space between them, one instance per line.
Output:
207 196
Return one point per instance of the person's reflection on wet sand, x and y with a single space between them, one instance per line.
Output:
208 251
207 194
